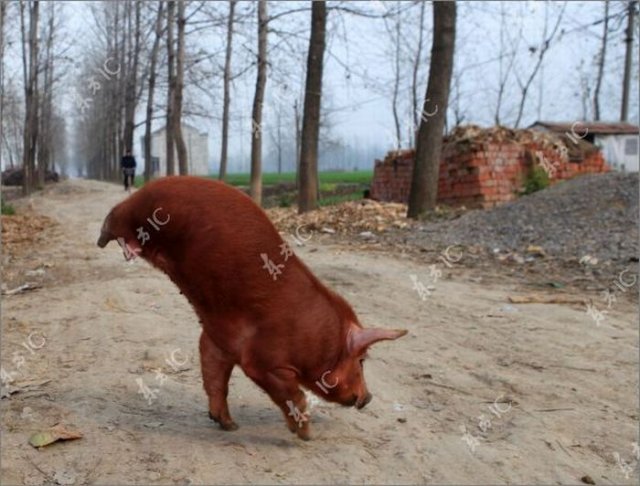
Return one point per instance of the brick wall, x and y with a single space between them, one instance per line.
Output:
480 174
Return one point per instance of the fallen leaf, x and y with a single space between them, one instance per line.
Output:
54 434
536 250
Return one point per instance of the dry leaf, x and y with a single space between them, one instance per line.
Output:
54 434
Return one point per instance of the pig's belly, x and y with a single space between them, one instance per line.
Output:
231 335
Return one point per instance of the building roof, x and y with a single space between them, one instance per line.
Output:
603 128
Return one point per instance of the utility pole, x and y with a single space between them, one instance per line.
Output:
626 83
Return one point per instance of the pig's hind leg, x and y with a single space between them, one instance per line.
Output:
216 371
282 386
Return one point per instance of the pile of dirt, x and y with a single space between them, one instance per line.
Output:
348 218
594 215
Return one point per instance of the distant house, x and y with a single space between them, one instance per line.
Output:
197 151
618 141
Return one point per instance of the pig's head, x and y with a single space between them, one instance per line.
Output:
116 227
345 383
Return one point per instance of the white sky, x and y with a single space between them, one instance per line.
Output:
358 67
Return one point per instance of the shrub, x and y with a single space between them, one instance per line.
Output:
536 180
7 209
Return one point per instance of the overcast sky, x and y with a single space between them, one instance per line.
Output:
359 69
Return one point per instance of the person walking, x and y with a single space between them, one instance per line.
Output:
128 165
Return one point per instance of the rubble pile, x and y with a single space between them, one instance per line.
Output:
485 167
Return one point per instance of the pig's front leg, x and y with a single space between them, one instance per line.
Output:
282 386
216 371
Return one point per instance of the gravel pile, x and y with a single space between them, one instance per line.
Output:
595 215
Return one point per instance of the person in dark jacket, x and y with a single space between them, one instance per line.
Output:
128 165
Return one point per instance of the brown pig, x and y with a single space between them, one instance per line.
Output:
260 307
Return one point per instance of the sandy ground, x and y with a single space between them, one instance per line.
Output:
565 389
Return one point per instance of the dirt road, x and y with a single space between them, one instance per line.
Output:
479 391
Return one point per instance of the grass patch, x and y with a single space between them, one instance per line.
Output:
328 180
7 209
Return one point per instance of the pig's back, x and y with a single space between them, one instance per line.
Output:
217 240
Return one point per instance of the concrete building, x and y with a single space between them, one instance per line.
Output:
197 151
618 141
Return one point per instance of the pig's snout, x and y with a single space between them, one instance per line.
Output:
104 239
361 403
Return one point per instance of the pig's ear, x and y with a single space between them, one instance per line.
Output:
360 339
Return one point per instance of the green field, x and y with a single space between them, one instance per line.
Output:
327 179
269 179
328 183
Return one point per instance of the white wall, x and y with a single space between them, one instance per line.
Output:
197 151
615 150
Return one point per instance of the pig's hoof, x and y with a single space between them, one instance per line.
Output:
224 424
229 426
304 434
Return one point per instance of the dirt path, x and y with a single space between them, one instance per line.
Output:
565 389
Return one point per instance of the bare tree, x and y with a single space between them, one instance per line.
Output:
45 148
30 75
414 73
628 60
12 120
298 131
505 68
601 61
171 83
256 116
3 11
541 50
395 33
227 85
424 183
150 92
308 193
181 148
131 83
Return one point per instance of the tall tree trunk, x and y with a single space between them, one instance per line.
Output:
601 62
124 57
298 129
226 101
256 115
424 183
3 10
131 98
183 164
396 80
45 135
308 193
30 70
414 79
170 160
628 61
279 141
150 93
